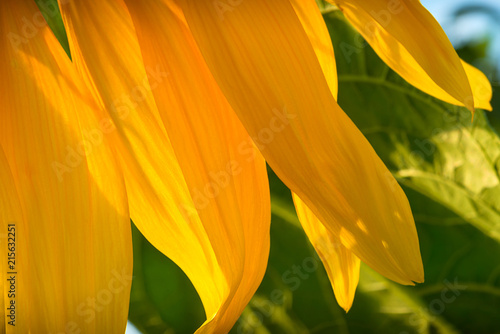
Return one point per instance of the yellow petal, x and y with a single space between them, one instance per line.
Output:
480 85
207 138
160 203
273 80
75 248
341 265
217 227
411 41
312 21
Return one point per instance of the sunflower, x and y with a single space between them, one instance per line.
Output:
167 113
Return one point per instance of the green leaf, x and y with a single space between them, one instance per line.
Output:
52 15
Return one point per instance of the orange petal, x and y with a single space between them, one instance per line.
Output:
408 38
274 82
341 265
314 25
217 227
74 240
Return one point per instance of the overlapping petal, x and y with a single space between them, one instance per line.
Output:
270 77
203 197
341 265
314 25
74 249
160 203
408 38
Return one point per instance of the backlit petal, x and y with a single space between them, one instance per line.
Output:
160 203
413 43
217 228
341 265
75 248
314 25
480 85
273 80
